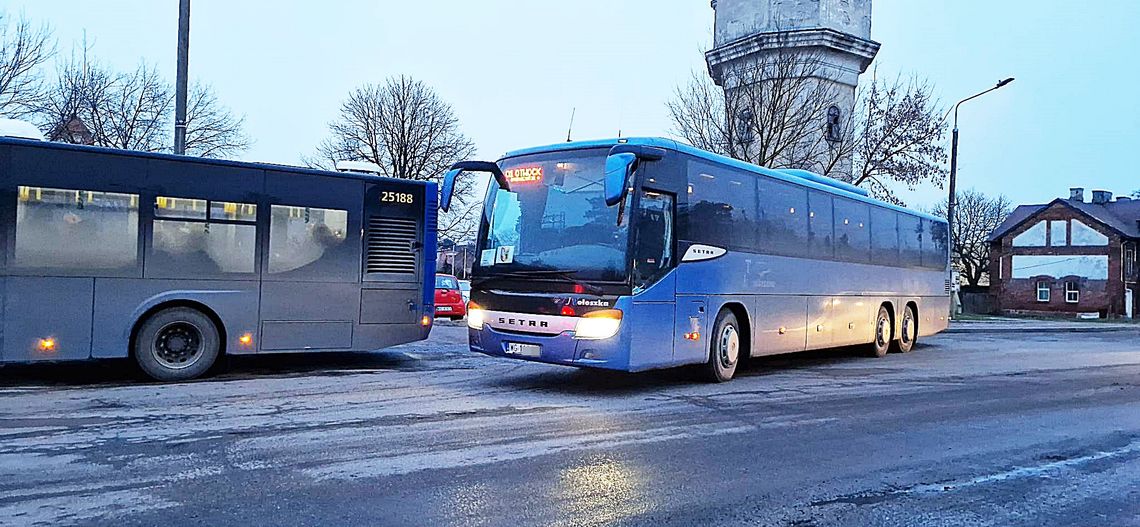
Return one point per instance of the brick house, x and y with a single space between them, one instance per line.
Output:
1068 256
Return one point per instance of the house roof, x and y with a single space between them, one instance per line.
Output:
1120 216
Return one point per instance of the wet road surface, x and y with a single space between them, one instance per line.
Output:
970 429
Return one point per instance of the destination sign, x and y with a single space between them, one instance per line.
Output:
524 174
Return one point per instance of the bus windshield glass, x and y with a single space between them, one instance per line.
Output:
555 218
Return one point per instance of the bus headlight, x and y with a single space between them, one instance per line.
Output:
598 325
475 316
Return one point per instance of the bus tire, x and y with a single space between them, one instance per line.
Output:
908 331
881 340
724 348
176 344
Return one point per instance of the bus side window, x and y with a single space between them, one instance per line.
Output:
76 229
884 236
821 228
197 237
910 241
654 253
852 234
935 245
783 218
303 237
722 207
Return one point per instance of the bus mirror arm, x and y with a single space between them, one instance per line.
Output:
646 153
452 175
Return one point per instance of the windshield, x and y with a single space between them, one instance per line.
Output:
555 218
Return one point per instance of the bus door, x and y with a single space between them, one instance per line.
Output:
393 253
654 256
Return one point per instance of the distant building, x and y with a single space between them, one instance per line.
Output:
73 131
455 258
1068 256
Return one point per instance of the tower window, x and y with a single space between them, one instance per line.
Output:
744 124
834 129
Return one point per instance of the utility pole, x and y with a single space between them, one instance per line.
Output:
181 81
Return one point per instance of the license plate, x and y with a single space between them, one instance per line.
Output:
443 308
524 350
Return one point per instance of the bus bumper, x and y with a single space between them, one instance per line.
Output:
610 354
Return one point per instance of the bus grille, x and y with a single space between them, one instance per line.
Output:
391 245
948 287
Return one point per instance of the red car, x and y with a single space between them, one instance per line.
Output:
448 298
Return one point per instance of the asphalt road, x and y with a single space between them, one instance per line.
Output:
970 429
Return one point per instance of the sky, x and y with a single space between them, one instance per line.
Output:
515 71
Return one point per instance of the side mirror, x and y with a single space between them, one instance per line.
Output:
619 166
618 169
448 189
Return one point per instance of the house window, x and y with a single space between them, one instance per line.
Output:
1058 233
1086 236
1072 292
1032 237
1130 265
1042 291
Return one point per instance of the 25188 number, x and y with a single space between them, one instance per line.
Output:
396 197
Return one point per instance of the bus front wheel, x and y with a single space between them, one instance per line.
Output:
176 344
724 348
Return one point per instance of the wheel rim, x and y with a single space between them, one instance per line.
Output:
729 346
907 325
177 345
882 330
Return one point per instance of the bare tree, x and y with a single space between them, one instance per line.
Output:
134 111
975 217
24 49
63 111
897 138
778 111
771 113
211 129
403 127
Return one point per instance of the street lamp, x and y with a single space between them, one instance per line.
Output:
953 199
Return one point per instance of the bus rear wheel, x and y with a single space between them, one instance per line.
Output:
176 344
724 348
908 331
882 338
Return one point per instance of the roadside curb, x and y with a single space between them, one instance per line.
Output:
1038 329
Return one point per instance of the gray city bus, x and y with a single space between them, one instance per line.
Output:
174 260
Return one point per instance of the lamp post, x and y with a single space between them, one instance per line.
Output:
952 201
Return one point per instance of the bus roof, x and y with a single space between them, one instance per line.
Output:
816 181
202 160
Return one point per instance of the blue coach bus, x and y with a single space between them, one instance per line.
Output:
636 254
175 260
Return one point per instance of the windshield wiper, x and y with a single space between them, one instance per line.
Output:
565 274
